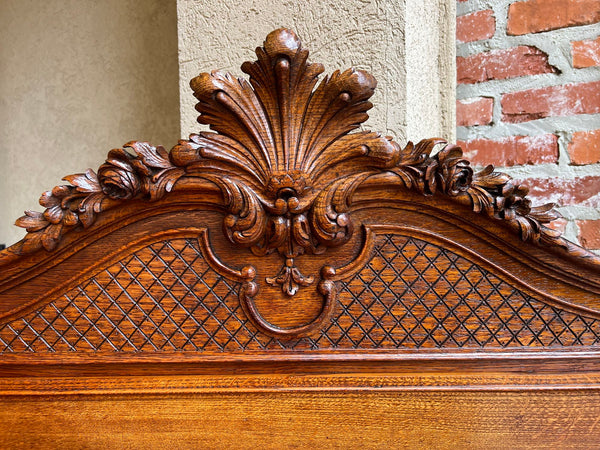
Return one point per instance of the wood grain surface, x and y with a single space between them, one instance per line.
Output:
288 281
544 419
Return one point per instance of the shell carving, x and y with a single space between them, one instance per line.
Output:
283 153
275 149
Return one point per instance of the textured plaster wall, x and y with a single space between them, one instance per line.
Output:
77 78
430 69
408 45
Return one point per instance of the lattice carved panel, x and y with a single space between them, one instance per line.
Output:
164 297
418 295
411 294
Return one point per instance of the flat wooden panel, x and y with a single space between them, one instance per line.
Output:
306 420
292 285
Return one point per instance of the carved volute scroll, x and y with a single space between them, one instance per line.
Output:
283 153
278 141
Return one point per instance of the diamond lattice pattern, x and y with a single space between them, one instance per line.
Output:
411 294
164 297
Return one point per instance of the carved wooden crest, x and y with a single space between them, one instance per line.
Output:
283 153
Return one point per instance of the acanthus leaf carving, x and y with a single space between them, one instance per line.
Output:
284 151
280 138
246 222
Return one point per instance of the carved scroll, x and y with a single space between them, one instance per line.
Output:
283 154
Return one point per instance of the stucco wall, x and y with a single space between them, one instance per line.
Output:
81 77
415 95
77 78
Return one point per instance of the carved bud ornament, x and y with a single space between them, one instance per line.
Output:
282 153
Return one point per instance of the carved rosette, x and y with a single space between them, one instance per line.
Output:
276 143
282 152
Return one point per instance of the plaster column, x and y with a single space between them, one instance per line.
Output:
408 45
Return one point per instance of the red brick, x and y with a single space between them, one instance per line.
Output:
583 191
589 233
586 53
502 64
476 26
512 150
584 147
533 16
558 225
474 111
565 100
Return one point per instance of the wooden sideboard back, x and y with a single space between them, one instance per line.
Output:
285 241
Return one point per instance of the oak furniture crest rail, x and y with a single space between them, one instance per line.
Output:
285 244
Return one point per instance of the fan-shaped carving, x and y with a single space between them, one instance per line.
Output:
277 140
283 154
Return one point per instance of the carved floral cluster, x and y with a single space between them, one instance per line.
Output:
279 151
487 191
123 176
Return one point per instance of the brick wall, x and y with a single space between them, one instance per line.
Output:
528 75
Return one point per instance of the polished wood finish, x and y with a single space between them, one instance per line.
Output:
422 419
285 269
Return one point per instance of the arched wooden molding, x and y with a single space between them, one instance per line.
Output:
286 158
275 144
